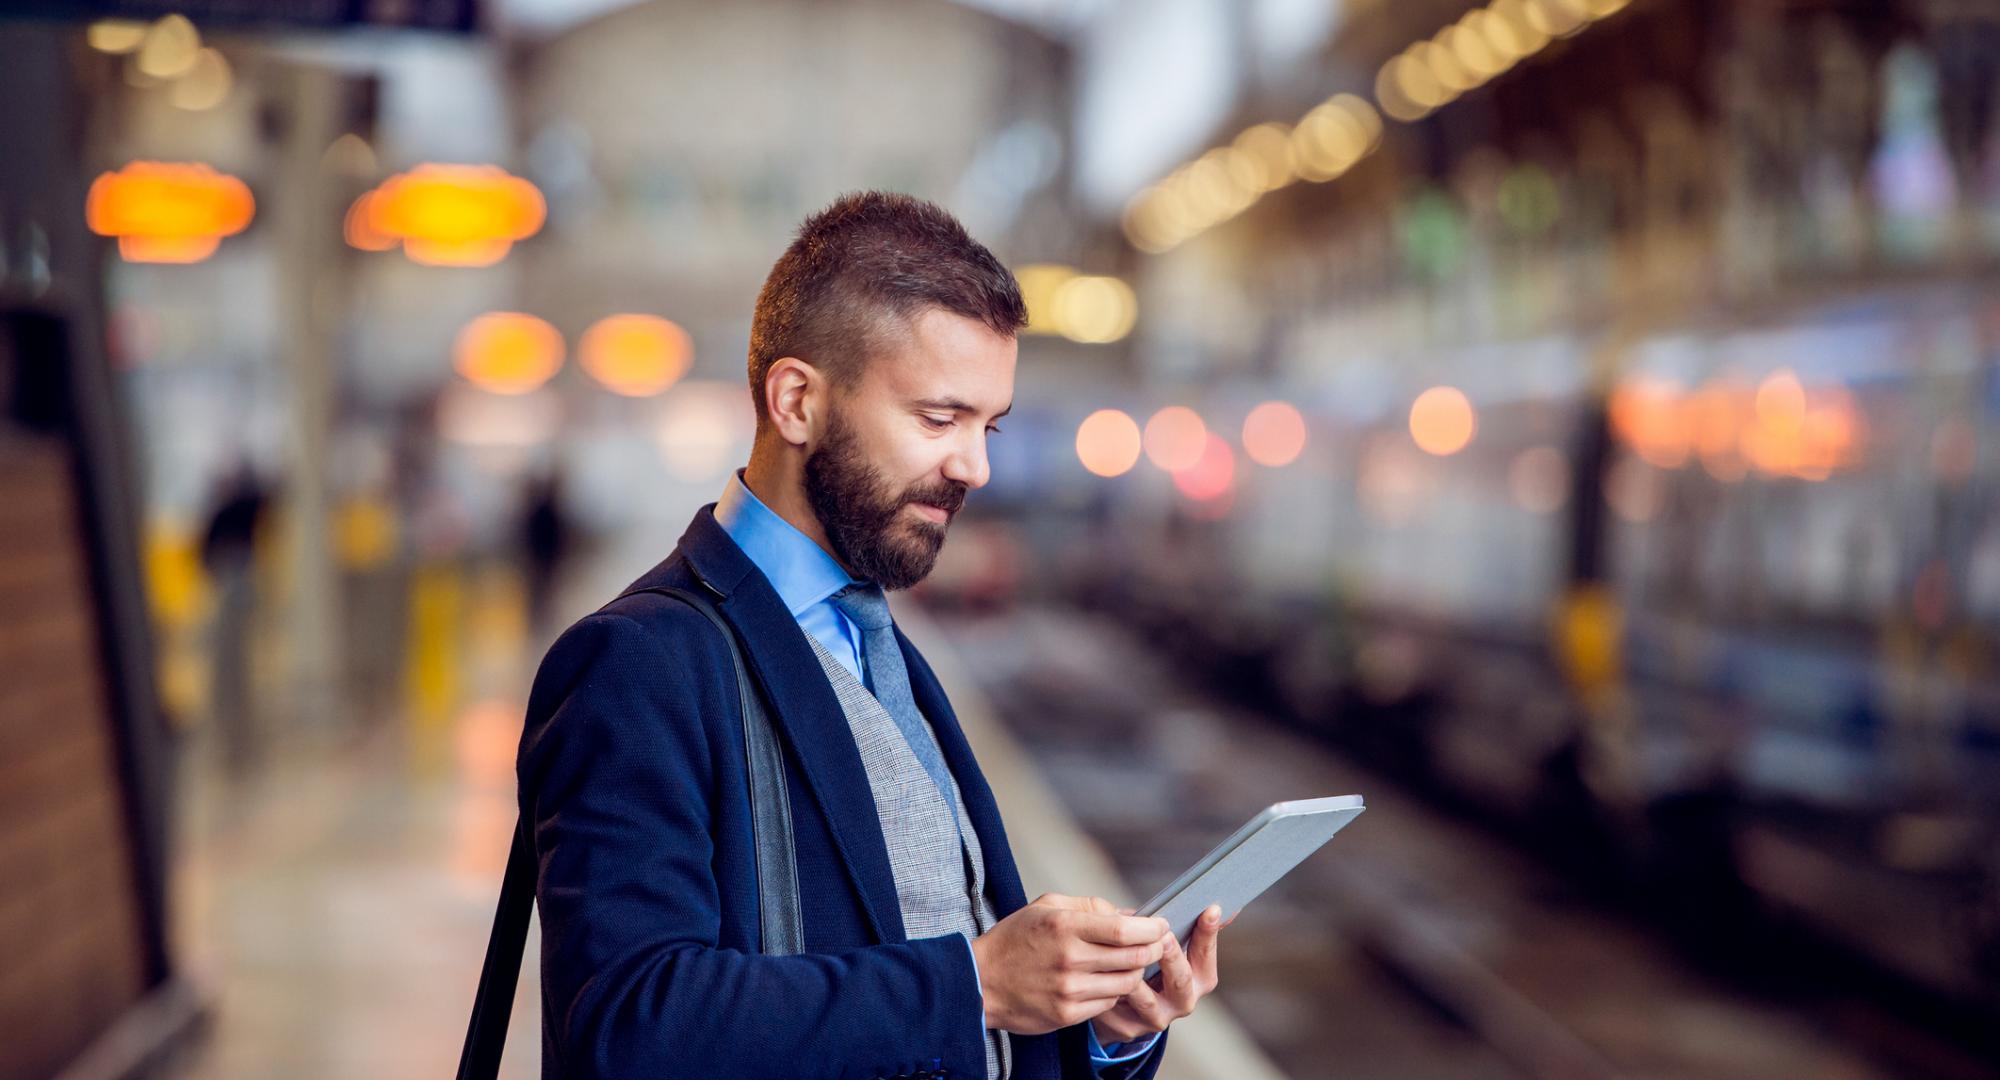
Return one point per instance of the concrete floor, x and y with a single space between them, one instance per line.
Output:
335 901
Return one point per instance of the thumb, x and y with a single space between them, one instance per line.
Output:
1073 903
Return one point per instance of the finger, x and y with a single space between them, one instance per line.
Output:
1202 948
1119 1024
1177 978
1092 957
1095 904
1106 929
1092 985
1087 1010
1150 1008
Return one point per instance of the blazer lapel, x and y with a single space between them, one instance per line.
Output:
1001 874
806 710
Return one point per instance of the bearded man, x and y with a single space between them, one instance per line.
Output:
882 356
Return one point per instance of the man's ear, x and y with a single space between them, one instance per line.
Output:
793 399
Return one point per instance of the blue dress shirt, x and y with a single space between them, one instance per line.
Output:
805 577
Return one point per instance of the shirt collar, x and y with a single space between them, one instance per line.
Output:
801 571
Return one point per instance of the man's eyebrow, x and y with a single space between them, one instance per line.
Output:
957 406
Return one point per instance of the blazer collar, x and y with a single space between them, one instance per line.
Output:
804 707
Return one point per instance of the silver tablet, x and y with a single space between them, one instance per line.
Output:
1254 857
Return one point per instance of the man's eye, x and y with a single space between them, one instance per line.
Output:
936 423
993 429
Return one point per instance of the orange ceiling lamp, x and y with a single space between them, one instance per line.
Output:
168 212
507 352
448 215
635 355
359 226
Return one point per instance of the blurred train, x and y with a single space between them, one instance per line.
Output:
1725 633
1670 534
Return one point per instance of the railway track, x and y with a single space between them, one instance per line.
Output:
1416 944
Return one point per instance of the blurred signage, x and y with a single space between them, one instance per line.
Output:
453 15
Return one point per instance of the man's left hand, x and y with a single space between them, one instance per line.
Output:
1185 977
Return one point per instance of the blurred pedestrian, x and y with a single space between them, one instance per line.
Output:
228 554
545 536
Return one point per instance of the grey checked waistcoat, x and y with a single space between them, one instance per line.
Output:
940 878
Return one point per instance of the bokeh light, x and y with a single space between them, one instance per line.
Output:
1095 309
170 49
1175 438
1481 45
1781 401
205 85
1227 180
1266 150
1274 434
507 352
358 227
1652 416
1717 414
116 36
702 427
454 215
168 212
503 426
1213 472
1039 282
1442 421
1791 431
1333 136
635 355
1088 308
1108 442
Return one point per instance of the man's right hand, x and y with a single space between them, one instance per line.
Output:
1061 960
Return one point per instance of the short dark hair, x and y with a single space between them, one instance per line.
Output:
858 269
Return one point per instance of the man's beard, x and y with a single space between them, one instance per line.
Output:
863 519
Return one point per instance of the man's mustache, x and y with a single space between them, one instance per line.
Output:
949 497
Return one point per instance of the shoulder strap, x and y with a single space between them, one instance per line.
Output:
486 1036
783 931
782 925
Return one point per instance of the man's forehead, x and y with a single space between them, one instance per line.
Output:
943 356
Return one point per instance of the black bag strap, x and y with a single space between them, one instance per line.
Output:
783 930
487 1034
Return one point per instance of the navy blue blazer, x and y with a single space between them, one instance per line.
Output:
632 774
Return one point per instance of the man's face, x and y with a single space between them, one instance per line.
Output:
904 444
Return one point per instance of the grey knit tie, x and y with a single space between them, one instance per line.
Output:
889 679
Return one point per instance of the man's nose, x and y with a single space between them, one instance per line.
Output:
967 465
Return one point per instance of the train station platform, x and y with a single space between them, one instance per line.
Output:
336 901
